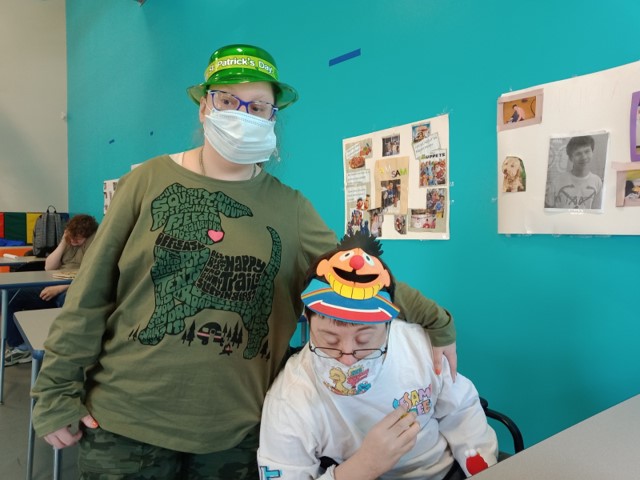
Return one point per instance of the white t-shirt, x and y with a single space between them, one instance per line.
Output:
302 420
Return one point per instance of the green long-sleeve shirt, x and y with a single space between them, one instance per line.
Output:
183 309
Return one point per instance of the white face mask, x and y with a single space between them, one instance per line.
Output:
240 137
347 380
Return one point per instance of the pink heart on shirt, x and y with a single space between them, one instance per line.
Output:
215 235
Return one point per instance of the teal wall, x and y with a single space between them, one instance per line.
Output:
548 326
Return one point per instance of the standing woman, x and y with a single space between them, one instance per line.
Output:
182 313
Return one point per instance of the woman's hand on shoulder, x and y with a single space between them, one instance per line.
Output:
448 351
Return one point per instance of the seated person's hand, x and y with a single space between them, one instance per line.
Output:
386 442
66 237
49 293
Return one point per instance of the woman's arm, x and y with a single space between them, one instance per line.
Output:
75 337
438 322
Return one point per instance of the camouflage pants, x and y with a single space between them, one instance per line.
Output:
107 456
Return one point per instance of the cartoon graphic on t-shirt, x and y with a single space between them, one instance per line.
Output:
266 473
418 400
189 276
572 197
351 382
475 462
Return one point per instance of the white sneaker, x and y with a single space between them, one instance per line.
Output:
15 355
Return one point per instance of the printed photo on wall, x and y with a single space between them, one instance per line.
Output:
437 208
376 219
514 177
627 184
391 146
390 195
400 224
632 189
421 220
358 196
515 111
390 176
634 127
433 171
575 172
357 223
356 153
420 132
109 189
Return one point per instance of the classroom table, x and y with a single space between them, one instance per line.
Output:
18 261
605 446
13 281
34 326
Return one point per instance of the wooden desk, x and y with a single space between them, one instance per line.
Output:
34 326
605 446
17 280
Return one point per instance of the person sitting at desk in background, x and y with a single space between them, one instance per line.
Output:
68 255
182 313
363 393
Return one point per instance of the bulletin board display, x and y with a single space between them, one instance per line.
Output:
567 156
396 181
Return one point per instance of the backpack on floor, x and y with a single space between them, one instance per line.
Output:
47 232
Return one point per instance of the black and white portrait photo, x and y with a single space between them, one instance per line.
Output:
575 172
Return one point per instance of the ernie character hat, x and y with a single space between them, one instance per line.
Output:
352 285
242 63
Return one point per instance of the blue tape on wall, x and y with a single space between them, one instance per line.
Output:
344 58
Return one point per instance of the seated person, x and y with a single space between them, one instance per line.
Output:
363 391
68 255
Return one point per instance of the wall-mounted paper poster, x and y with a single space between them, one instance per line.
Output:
634 127
397 178
520 110
576 158
575 172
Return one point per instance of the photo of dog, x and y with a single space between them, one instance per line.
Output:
514 176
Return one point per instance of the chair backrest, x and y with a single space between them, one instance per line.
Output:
518 441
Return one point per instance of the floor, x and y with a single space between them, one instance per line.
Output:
14 434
